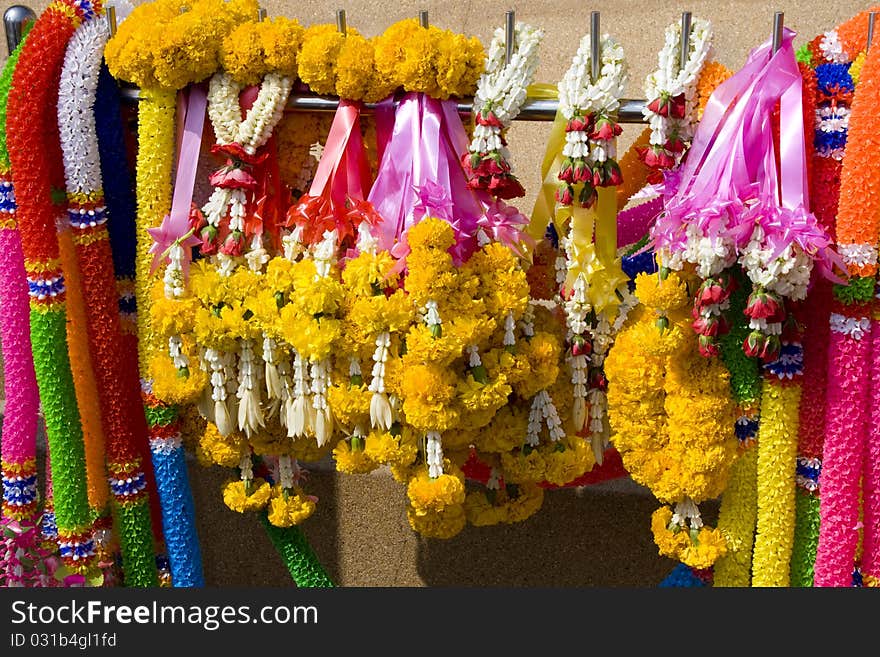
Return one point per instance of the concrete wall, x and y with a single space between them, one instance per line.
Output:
580 538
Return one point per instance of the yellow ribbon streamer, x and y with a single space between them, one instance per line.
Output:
596 260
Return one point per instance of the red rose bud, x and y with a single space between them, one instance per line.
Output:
598 176
234 244
706 326
582 172
708 346
605 129
489 119
615 177
598 380
196 218
588 196
660 106
565 194
577 124
507 187
770 350
495 166
566 172
580 347
711 292
754 344
674 145
791 330
762 305
678 107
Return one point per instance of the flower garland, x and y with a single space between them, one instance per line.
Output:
671 91
849 352
31 148
118 391
676 437
739 504
194 30
341 64
590 171
834 87
501 91
21 514
428 60
256 48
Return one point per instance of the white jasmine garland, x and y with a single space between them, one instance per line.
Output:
434 454
579 95
501 90
669 80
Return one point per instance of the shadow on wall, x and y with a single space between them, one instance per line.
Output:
578 539
591 537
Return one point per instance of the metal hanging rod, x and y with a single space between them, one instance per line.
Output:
534 109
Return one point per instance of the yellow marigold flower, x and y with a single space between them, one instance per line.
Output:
350 404
365 271
430 233
542 352
317 60
677 544
567 460
289 508
254 49
272 440
382 447
356 76
525 504
307 450
352 461
481 512
523 466
173 316
506 431
172 386
426 494
663 295
428 392
313 338
432 524
225 451
238 498
162 47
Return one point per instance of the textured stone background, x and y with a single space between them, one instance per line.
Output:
598 537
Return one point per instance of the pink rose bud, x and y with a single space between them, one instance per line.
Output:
708 346
762 305
678 107
753 344
565 194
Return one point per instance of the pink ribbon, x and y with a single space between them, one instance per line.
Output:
176 224
420 175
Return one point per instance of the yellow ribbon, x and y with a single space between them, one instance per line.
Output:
596 260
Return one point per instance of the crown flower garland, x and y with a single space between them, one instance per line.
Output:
501 92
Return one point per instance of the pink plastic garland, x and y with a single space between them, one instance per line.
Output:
871 474
849 396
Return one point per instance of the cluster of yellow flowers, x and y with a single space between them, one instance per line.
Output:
670 409
171 43
437 62
254 49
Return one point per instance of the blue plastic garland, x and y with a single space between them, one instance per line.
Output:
682 577
172 479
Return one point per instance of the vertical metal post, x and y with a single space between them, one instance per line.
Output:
261 14
872 17
111 19
509 35
423 18
14 20
778 22
341 24
595 38
685 39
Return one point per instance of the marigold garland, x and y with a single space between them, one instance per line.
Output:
436 62
253 49
167 44
341 64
